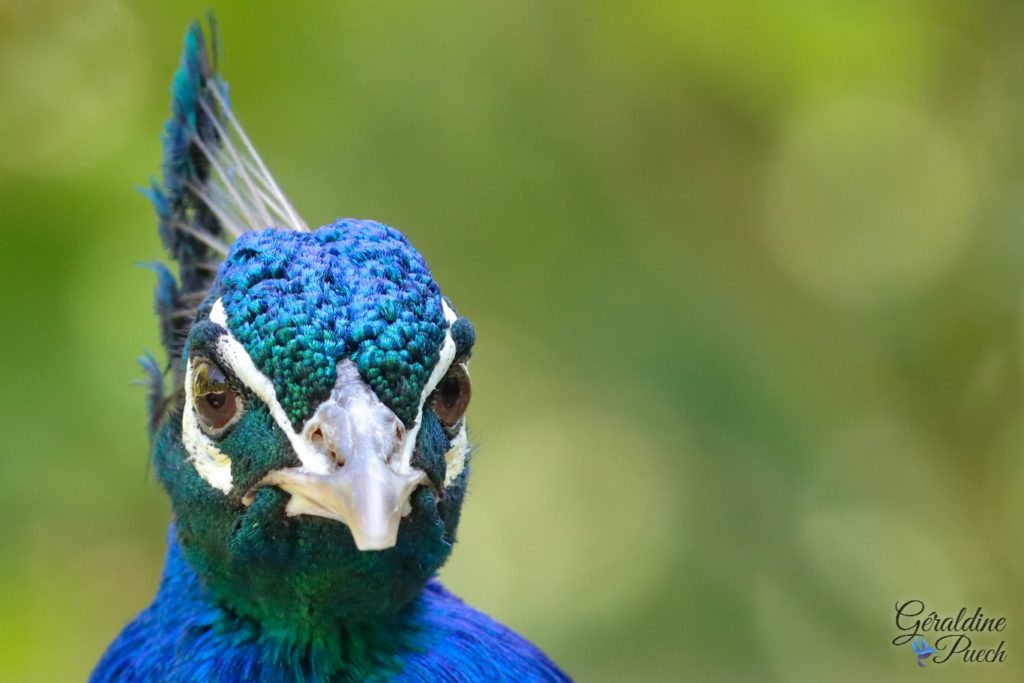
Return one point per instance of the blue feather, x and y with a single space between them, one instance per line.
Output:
190 231
214 188
154 383
186 219
250 591
185 636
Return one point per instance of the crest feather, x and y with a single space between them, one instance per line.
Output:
215 186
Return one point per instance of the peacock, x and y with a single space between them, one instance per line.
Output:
312 440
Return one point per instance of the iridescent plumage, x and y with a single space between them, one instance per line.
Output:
313 442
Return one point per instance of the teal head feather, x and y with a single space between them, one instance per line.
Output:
313 443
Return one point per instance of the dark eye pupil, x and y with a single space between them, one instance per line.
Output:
450 391
452 396
217 408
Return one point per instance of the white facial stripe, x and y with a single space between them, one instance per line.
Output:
444 361
456 456
218 315
449 315
234 356
231 352
212 464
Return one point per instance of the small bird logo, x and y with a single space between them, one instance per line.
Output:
922 649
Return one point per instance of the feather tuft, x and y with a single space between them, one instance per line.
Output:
215 187
154 384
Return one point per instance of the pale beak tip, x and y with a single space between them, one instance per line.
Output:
382 542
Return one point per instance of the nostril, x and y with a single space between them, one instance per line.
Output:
395 447
319 441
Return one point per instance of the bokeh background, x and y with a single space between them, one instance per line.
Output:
747 279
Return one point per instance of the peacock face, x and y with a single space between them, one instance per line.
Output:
320 449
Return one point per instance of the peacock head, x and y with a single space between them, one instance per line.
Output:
315 448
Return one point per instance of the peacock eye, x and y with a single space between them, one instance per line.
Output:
217 404
451 398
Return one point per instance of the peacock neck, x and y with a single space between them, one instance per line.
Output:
187 634
360 648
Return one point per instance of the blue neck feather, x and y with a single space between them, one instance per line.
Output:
185 635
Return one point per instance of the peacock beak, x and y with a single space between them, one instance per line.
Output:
368 481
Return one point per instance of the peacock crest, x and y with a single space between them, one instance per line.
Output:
215 188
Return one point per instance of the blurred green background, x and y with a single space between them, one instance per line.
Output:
746 278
